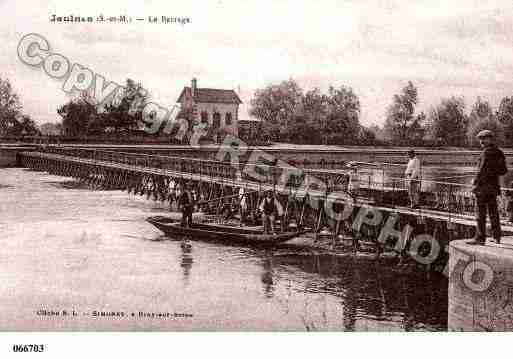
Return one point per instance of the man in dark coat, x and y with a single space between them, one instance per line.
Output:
186 205
492 165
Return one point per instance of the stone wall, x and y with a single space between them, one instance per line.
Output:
481 286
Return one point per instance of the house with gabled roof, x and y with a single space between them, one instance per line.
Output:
218 108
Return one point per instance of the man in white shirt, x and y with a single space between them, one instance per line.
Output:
354 179
412 174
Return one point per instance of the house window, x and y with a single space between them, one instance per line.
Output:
228 119
216 120
204 117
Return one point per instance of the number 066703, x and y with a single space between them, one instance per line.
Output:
27 348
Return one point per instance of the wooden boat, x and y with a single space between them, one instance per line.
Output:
207 231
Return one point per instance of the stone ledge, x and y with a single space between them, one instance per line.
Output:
481 286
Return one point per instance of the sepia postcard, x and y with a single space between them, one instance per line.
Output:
269 166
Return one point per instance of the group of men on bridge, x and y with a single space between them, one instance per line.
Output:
486 188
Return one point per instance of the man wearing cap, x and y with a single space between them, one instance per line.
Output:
492 165
412 174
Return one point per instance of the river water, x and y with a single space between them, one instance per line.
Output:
66 248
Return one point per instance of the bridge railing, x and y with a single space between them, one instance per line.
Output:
445 196
457 198
255 172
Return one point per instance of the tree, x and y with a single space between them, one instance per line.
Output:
313 117
50 129
342 120
448 123
124 112
505 117
78 115
417 130
367 136
24 126
12 121
482 118
302 130
10 107
276 106
310 117
400 116
379 133
187 114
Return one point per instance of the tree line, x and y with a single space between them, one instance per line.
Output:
289 114
13 122
81 116
447 123
120 115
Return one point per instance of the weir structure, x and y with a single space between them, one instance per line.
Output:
327 204
447 204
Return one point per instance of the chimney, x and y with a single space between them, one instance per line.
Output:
194 84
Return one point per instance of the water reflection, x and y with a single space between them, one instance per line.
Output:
370 291
350 300
73 184
233 287
267 275
186 259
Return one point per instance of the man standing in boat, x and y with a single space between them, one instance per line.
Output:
492 165
186 205
412 174
270 207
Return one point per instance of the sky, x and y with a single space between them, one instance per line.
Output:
446 48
